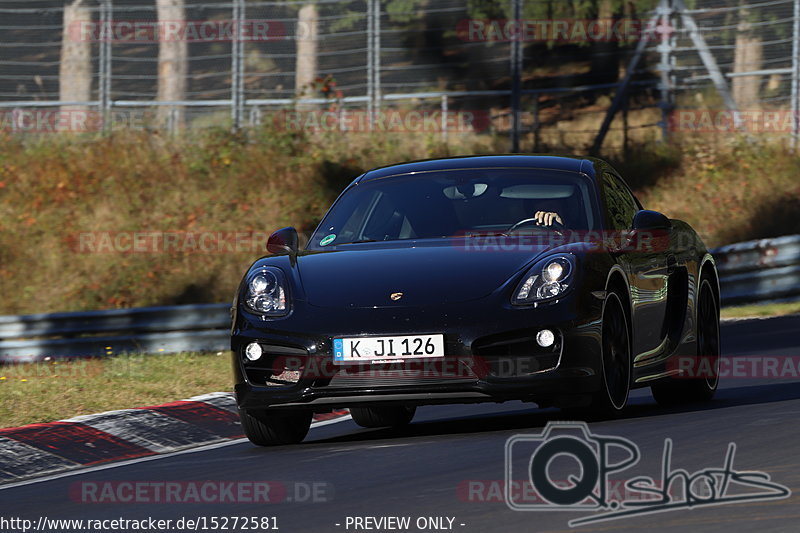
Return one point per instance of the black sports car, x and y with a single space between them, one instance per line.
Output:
474 279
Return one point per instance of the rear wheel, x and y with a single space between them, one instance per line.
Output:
682 390
270 429
378 417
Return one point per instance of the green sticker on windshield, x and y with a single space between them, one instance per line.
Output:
327 240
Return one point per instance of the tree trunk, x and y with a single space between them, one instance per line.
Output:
75 69
172 61
748 56
604 57
307 42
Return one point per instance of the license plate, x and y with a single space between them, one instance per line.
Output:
377 349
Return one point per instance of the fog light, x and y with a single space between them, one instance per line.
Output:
253 351
545 338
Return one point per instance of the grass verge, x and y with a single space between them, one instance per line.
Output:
54 390
776 309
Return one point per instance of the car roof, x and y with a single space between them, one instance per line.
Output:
584 165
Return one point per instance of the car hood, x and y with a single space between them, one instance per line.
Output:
366 275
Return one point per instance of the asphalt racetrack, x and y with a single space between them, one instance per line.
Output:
446 470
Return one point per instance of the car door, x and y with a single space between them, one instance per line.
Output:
647 271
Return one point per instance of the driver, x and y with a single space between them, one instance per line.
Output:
546 218
547 214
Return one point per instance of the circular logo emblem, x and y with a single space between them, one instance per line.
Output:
327 240
396 296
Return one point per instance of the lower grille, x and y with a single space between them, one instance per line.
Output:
404 375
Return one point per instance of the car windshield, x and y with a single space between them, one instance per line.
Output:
456 203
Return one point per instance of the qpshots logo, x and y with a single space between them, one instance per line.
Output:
598 459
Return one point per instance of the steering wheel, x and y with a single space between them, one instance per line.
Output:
527 221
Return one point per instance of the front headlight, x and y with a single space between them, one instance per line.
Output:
265 292
547 279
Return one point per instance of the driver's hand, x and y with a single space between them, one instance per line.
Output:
546 218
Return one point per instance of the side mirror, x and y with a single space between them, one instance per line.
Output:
283 241
651 220
650 233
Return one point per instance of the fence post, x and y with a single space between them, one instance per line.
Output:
376 67
370 66
625 106
665 69
255 116
174 119
516 75
237 107
535 126
795 74
444 118
104 79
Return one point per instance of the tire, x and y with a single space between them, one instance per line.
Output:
273 429
379 417
615 362
616 358
677 391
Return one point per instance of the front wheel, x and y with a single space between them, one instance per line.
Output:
701 388
615 361
379 417
616 357
271 429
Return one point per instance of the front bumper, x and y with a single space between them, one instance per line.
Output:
491 356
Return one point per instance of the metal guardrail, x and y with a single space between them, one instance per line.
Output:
750 272
180 328
759 271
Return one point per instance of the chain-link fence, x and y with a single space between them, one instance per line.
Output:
724 66
444 66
